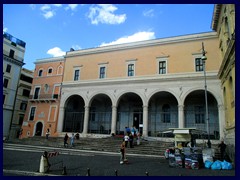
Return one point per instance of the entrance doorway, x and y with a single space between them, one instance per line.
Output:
137 121
38 131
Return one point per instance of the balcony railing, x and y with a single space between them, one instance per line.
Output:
44 97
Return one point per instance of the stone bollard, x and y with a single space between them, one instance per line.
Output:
64 172
44 164
88 172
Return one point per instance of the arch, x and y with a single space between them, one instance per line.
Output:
163 112
132 91
59 70
129 111
40 72
215 94
164 90
100 114
74 109
66 98
50 71
195 113
100 93
38 128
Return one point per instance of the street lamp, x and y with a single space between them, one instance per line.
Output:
204 58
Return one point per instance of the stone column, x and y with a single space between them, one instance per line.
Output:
114 119
221 116
145 121
60 120
180 116
86 118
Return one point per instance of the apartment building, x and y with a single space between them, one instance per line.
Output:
152 85
21 101
13 60
43 104
223 23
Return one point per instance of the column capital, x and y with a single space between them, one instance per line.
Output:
114 107
221 107
86 107
181 107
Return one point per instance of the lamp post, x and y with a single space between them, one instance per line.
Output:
204 58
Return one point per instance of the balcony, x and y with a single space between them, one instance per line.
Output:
44 98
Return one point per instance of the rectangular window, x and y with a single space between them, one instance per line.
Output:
32 113
102 72
76 75
162 67
4 98
11 53
199 115
56 92
8 69
26 92
36 93
20 120
199 64
23 106
5 83
131 70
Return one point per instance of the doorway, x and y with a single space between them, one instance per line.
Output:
38 131
137 121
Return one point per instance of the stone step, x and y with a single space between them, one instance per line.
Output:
110 144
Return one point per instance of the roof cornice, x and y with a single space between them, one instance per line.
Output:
215 18
139 44
47 60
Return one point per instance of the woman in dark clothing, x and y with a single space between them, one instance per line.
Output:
222 147
65 140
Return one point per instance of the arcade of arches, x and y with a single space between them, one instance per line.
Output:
101 115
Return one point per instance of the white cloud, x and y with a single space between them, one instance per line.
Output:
49 10
45 7
148 13
71 6
48 14
57 5
55 52
139 36
104 13
5 29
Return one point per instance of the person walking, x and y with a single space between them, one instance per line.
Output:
131 140
222 147
138 138
47 133
128 130
66 140
126 139
133 130
77 136
72 140
122 152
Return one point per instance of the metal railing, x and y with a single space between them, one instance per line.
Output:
44 97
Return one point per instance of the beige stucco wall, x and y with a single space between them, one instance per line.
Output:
180 59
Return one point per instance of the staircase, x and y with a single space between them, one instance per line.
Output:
109 144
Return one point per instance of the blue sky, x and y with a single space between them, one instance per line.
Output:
50 30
